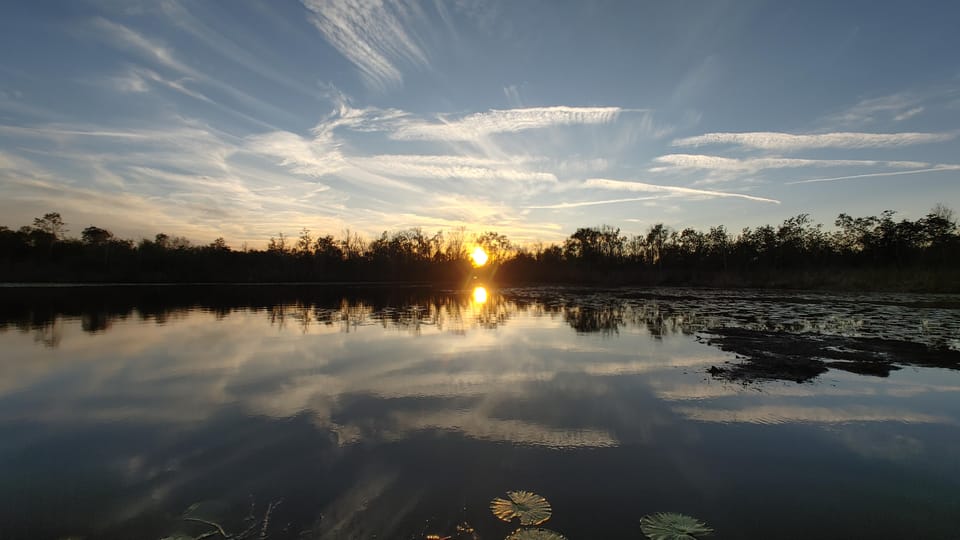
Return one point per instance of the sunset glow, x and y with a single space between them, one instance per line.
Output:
479 256
171 117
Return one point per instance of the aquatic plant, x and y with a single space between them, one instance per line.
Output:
530 508
673 526
535 534
258 527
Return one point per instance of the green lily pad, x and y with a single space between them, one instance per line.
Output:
673 526
530 508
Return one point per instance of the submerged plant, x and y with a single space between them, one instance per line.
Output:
535 534
257 528
530 508
673 526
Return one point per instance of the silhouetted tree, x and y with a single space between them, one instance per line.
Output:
497 246
95 236
793 252
304 243
277 245
655 243
51 224
162 240
593 244
219 244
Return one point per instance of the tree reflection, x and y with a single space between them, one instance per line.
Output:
606 320
416 310
405 309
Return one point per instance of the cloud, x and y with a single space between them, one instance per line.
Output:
719 163
766 140
450 166
560 206
242 52
938 168
479 125
138 79
621 185
185 179
322 154
312 157
11 162
512 93
371 35
895 107
783 414
130 39
908 114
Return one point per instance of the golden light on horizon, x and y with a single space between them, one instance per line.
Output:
479 256
479 295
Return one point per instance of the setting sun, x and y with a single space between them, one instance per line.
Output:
479 256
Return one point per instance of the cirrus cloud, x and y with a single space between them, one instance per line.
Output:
483 124
770 140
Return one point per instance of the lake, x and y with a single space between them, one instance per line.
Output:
401 412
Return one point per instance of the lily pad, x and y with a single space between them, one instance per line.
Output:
535 534
530 508
673 526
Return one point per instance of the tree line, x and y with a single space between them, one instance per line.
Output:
859 252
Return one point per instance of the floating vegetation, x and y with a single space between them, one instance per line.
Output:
464 531
673 526
535 534
802 357
530 508
257 528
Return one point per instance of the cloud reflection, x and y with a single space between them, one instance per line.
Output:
224 388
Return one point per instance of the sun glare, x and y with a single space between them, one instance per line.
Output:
479 256
479 295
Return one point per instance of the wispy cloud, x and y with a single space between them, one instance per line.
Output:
12 162
905 115
450 166
322 155
178 178
313 157
767 140
370 34
233 47
895 107
720 163
183 135
138 80
479 125
131 39
622 185
560 206
126 39
513 95
938 168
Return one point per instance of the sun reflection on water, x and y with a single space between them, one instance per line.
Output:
479 295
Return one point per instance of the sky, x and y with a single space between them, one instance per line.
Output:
242 119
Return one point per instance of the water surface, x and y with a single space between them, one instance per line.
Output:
401 412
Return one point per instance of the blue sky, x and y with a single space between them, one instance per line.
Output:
245 119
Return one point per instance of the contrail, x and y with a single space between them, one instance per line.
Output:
592 203
623 185
870 175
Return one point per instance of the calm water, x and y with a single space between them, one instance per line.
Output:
397 413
